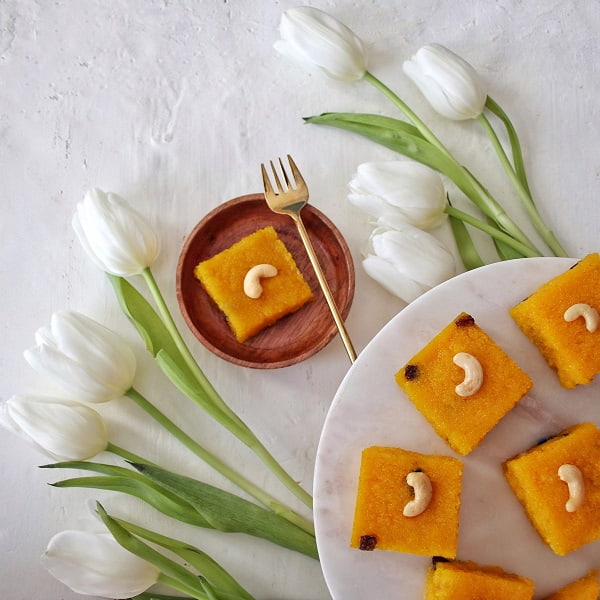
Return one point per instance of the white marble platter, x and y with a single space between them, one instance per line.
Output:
370 409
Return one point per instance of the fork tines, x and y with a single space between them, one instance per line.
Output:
298 180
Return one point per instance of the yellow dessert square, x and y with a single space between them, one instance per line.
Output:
568 346
384 493
586 588
564 518
430 380
223 279
465 580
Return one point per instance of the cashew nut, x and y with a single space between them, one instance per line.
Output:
473 374
252 286
589 314
422 488
573 477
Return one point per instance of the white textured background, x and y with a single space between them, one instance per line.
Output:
174 104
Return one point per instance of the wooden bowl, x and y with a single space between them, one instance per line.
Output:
293 338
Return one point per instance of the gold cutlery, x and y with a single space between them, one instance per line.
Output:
290 201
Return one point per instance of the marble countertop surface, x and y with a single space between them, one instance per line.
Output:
174 105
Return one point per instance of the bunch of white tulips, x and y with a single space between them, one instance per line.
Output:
94 365
405 258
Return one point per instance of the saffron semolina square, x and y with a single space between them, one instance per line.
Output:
533 477
567 346
383 492
430 377
465 580
586 588
223 279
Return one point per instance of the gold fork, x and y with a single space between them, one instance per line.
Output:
290 202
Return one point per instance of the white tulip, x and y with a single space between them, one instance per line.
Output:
315 39
449 83
116 237
95 564
406 189
89 361
407 261
65 430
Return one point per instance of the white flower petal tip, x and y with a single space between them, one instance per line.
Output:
64 430
89 361
320 42
116 237
448 82
406 190
407 261
94 564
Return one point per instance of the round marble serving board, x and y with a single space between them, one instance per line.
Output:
370 409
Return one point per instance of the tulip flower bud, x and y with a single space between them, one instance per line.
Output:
406 189
64 430
95 564
315 39
116 237
449 83
407 261
89 361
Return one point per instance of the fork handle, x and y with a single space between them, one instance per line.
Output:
325 287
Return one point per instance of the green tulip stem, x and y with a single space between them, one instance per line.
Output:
214 462
412 116
183 348
522 191
515 144
463 177
494 232
181 587
207 588
232 421
126 454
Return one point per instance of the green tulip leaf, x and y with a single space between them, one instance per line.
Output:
210 591
136 546
397 135
464 242
131 482
184 381
147 322
230 513
151 596
492 230
199 560
153 497
505 252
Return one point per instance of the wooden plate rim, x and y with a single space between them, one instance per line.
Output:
245 357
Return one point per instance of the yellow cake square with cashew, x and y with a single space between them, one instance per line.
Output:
561 318
586 588
250 294
558 484
466 580
463 383
407 502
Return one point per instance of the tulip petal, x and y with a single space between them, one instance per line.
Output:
374 206
96 565
64 430
448 82
315 38
71 376
415 253
386 274
105 355
117 238
405 189
407 261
